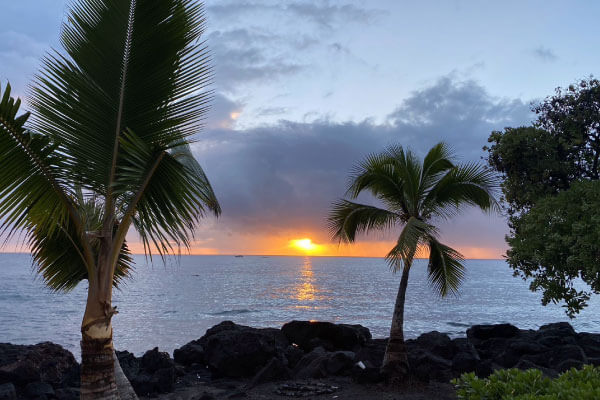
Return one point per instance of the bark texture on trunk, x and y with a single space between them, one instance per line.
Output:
124 387
97 369
395 361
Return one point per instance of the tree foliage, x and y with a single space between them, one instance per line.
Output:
545 168
415 194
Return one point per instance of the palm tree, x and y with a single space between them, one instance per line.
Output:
413 194
108 148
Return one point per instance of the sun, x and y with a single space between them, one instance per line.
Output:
305 244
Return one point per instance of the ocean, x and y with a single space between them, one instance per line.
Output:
167 305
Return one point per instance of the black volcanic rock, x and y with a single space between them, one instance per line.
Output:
43 362
483 332
310 334
235 351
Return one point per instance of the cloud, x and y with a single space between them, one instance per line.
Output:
323 14
545 54
263 42
19 58
246 55
279 177
223 113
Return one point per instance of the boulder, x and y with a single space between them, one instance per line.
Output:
436 343
274 370
316 354
236 351
189 354
465 358
339 362
8 391
43 362
364 372
154 360
557 329
590 343
426 366
150 374
372 352
568 364
310 334
293 354
567 352
525 365
483 332
491 348
39 389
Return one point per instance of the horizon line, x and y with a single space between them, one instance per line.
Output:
262 255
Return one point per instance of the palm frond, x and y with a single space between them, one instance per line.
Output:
347 219
445 268
466 184
136 65
413 236
171 193
437 161
57 255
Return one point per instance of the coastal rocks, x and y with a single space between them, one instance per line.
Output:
311 334
235 351
153 373
43 362
483 332
8 391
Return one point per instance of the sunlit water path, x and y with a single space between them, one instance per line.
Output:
167 306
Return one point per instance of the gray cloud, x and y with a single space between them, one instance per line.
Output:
545 54
324 14
267 41
287 175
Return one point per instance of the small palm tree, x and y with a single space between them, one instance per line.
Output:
107 149
414 194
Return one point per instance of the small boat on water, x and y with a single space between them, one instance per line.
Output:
238 256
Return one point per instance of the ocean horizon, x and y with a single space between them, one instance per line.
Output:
168 304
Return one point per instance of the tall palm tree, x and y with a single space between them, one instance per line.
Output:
414 194
107 149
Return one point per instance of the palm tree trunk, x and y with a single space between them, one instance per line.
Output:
124 387
395 360
97 352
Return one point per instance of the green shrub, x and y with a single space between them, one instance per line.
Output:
514 384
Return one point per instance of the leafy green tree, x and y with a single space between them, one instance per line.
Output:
107 149
568 221
414 195
561 148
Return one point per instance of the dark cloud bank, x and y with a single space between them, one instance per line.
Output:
286 175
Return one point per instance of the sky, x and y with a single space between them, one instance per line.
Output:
304 89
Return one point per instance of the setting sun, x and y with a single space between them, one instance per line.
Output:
306 245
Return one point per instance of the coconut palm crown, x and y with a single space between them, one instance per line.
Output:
106 149
414 194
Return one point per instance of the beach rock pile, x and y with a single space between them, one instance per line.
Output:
41 371
302 350
154 372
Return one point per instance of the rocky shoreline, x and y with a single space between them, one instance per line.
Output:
301 359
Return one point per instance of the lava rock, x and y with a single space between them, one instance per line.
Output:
436 343
426 367
274 370
39 389
43 362
293 354
190 353
154 360
339 363
236 351
372 352
8 391
483 332
310 334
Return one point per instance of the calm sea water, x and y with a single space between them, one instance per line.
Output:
169 305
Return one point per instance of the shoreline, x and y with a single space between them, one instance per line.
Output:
309 356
